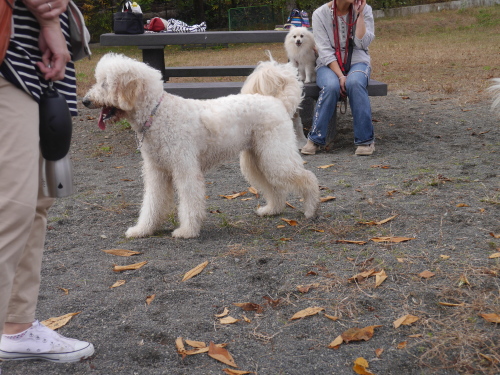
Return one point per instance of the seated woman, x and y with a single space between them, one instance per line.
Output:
343 71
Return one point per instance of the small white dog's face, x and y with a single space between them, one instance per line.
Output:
300 36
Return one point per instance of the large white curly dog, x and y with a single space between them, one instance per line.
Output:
183 138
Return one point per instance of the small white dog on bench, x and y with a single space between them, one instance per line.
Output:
183 138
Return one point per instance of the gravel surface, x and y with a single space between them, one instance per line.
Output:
434 172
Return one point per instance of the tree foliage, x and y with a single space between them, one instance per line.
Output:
99 13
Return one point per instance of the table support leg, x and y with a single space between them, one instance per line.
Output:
155 59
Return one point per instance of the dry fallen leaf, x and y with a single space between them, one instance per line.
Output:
180 346
118 283
307 312
249 306
462 205
326 199
451 304
231 371
332 317
195 271
306 288
122 252
405 320
195 351
426 274
494 235
360 367
290 205
325 166
348 241
196 344
129 267
402 345
253 190
228 320
246 319
492 318
290 222
357 334
378 222
378 352
221 354
66 291
463 280
222 314
380 278
336 343
58 322
317 230
150 299
233 196
494 255
444 257
362 276
392 239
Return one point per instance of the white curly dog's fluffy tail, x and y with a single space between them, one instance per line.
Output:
281 81
274 79
495 89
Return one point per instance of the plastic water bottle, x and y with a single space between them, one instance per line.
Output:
136 8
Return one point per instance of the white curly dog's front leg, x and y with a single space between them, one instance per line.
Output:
190 186
157 203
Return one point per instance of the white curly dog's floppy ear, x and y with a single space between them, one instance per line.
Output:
128 90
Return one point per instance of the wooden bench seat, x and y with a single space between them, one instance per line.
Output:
210 90
209 71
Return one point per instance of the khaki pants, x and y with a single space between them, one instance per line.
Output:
23 208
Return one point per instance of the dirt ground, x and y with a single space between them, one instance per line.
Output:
434 172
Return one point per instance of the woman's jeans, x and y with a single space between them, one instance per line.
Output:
329 95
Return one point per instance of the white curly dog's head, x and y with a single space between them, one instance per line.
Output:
124 88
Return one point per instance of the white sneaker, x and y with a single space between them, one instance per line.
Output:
40 342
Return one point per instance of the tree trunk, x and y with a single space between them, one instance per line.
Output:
199 11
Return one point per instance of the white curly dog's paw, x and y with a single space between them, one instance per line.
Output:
185 232
137 231
267 211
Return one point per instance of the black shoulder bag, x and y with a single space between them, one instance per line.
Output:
127 22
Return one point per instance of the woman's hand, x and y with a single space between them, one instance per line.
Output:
55 54
342 80
359 5
46 9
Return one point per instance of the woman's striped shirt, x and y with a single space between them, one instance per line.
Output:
19 66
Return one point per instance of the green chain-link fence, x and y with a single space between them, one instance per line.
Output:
254 18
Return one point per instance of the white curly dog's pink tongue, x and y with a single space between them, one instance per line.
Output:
101 123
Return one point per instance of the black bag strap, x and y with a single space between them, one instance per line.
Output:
351 46
125 5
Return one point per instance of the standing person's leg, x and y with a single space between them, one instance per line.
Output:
329 95
19 158
23 221
359 101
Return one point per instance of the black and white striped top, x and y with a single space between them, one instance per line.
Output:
19 64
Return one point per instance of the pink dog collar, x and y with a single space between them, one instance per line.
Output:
149 121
